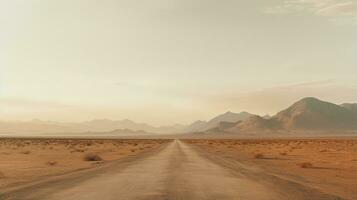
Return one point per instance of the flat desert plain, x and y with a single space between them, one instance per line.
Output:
328 165
25 160
178 169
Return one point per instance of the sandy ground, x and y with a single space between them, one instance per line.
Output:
174 171
328 165
25 160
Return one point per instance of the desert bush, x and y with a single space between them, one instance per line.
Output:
306 165
88 144
92 157
2 175
78 150
25 152
258 155
52 163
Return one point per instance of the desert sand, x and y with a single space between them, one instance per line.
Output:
184 169
328 165
25 160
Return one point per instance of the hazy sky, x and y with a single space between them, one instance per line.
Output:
172 61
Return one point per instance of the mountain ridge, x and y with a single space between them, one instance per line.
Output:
229 117
306 114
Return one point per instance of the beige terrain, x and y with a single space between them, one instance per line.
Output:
26 160
328 165
187 169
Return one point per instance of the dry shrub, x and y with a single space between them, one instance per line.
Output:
52 163
2 175
306 165
258 155
78 150
25 152
92 157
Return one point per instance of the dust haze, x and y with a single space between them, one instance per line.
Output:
178 99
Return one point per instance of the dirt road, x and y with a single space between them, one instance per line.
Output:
177 171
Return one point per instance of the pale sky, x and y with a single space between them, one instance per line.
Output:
172 61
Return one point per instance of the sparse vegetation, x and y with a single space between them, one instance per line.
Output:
317 160
26 152
52 163
258 156
306 165
46 156
2 175
92 157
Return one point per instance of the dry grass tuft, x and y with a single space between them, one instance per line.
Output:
52 163
258 155
92 157
25 152
306 165
2 175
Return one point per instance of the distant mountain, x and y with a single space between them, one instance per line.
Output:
118 132
227 125
266 116
307 114
176 128
108 125
255 123
98 125
196 126
350 106
228 117
312 113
